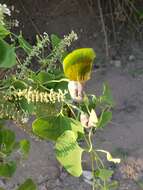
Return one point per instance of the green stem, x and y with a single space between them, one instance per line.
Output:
90 150
98 158
57 81
90 141
93 170
73 106
2 155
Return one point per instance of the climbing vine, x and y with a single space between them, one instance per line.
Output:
54 95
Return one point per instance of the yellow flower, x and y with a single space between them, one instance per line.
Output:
78 64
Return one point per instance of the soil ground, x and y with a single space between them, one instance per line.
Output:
124 73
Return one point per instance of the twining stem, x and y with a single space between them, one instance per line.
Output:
93 170
2 155
90 141
94 157
57 81
90 150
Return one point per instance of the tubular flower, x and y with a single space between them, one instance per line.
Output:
77 68
89 121
76 90
78 64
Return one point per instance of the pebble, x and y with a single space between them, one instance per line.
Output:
2 185
116 63
132 58
87 174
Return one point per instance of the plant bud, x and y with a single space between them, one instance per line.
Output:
84 119
93 120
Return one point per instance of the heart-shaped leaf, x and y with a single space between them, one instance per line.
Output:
24 44
104 174
28 185
7 55
7 140
7 169
69 153
107 97
104 119
51 127
25 147
3 32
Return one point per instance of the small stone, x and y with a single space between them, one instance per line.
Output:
42 187
94 35
131 58
87 174
2 185
117 63
81 30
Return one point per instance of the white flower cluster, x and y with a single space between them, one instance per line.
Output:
57 53
70 38
37 49
14 23
43 97
4 10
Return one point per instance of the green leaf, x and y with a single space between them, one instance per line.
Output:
48 109
25 147
47 79
90 102
113 185
69 153
28 185
7 169
7 140
104 119
3 32
107 95
7 55
140 13
18 84
104 174
1 188
51 127
61 85
44 77
2 122
140 183
24 44
27 107
55 40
